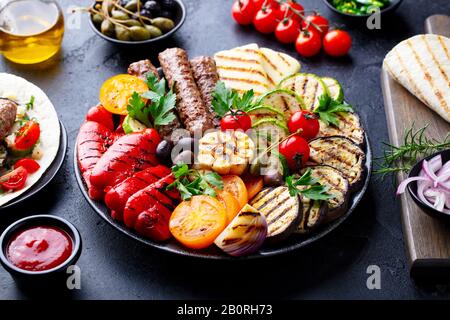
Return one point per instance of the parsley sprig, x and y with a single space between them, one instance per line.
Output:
328 108
308 186
227 100
160 106
191 182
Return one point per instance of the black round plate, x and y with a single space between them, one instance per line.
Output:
293 243
48 175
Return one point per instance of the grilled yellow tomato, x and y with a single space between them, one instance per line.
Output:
116 92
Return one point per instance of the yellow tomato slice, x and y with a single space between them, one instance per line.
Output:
235 186
197 223
230 203
116 92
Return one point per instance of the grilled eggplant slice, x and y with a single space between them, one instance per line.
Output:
314 213
283 213
349 126
342 154
337 185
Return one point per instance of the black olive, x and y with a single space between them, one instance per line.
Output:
165 14
146 13
186 143
164 151
124 2
186 157
167 4
153 7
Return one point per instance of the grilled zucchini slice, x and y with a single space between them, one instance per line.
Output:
283 213
349 126
285 101
308 86
337 185
334 88
342 154
314 213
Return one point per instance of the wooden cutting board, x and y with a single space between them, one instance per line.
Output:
427 240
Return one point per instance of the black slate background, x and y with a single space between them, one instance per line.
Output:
115 267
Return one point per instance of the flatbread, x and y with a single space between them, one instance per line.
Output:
21 90
422 65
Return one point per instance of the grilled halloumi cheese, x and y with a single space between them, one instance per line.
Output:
422 65
283 213
242 69
337 186
349 126
340 153
225 152
278 65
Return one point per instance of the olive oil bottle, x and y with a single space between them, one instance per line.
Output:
31 31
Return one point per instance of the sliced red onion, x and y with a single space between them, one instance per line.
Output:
402 187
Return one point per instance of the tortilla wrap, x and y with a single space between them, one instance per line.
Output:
21 90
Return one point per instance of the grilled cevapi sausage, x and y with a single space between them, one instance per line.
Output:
140 69
8 111
206 76
192 111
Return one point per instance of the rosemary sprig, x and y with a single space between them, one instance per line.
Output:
416 145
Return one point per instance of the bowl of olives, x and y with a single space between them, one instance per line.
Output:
136 21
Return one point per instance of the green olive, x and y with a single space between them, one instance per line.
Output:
154 31
131 23
132 5
139 33
97 19
107 28
122 34
107 6
164 24
119 15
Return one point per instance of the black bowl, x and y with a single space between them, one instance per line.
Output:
179 16
56 276
390 8
412 187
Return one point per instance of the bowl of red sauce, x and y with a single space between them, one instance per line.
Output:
40 247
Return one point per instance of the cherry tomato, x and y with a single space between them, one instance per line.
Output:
243 11
14 180
237 120
100 115
29 164
296 151
337 43
305 121
27 136
287 30
258 4
266 20
308 43
268 3
313 21
289 7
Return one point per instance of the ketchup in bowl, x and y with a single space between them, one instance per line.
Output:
39 248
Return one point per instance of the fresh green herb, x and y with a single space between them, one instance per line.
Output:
309 187
416 145
191 182
360 7
160 106
328 108
227 100
30 104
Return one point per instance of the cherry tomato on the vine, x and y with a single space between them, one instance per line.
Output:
308 43
266 20
316 22
243 11
337 43
287 30
305 121
236 120
296 151
290 9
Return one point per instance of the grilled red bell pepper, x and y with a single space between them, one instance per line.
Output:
100 115
146 198
92 142
117 196
153 223
129 154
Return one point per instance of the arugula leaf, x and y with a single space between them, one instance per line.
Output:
328 108
197 184
137 109
30 104
314 190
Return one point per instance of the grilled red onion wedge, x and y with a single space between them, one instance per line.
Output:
245 234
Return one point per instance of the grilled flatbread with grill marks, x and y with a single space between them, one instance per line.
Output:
422 65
